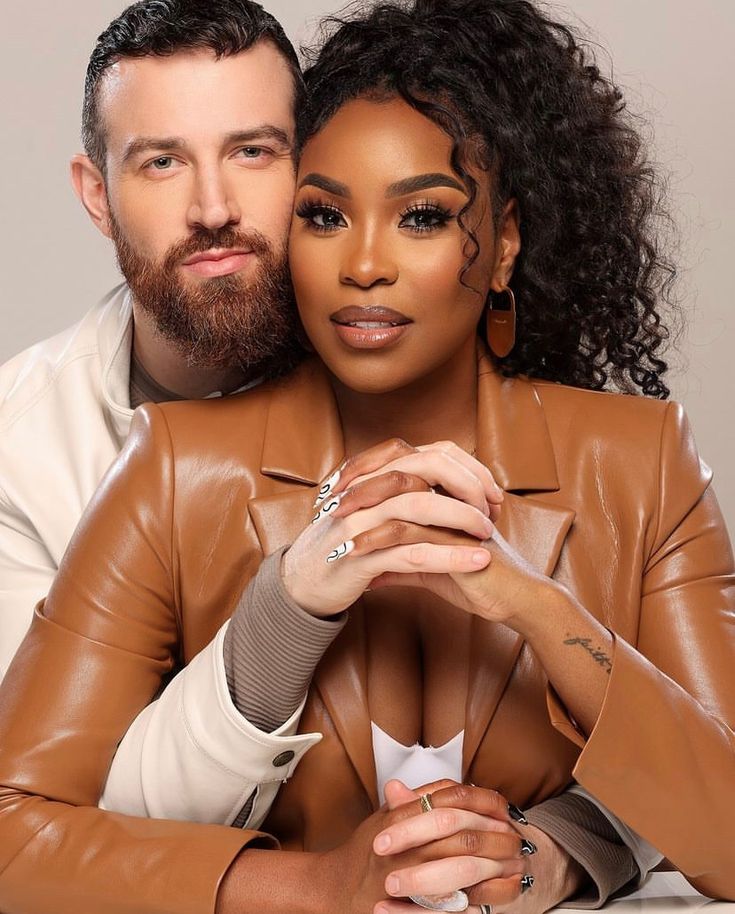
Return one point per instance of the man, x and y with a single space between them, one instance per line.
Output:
197 199
189 169
189 131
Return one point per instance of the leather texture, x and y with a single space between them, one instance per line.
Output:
606 493
64 416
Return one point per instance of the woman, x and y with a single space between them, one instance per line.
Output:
455 151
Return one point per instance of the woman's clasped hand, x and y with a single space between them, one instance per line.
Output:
412 516
393 509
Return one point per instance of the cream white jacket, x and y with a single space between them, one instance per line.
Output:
64 415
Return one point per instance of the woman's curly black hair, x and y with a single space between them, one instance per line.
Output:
500 77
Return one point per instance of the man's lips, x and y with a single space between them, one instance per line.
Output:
218 261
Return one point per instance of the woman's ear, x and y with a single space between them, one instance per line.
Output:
89 185
508 245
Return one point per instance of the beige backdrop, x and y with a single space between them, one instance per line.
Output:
674 57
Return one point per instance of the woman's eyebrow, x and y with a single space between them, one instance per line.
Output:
327 184
423 182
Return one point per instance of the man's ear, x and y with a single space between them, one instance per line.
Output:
508 245
89 185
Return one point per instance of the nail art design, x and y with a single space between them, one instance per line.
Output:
340 552
516 814
327 486
527 847
527 882
457 901
327 507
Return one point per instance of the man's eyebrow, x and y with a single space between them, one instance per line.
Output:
263 132
328 184
423 182
148 143
143 144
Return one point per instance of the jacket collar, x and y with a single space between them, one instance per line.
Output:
115 340
304 443
512 436
303 435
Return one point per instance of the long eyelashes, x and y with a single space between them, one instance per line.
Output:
321 216
419 218
426 216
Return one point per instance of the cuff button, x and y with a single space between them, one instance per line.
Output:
283 759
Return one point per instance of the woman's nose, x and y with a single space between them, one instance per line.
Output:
368 262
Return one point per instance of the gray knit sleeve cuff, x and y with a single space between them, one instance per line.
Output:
272 647
589 838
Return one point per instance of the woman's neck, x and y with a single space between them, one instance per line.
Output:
438 407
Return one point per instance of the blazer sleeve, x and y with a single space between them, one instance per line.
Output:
96 654
662 754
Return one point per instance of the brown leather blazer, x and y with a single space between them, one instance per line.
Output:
606 493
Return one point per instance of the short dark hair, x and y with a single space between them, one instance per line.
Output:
594 279
163 27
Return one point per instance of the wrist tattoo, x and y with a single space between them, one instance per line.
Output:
597 654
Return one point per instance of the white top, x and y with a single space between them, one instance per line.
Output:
415 765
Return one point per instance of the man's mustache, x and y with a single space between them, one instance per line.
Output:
226 237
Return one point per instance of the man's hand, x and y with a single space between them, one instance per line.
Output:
477 846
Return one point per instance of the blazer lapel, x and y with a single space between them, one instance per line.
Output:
303 444
537 532
341 679
513 441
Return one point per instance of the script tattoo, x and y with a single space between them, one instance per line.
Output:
598 655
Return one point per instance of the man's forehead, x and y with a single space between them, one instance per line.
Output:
193 90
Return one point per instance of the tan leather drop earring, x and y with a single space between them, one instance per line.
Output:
500 324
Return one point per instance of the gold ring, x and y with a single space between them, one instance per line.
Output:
425 800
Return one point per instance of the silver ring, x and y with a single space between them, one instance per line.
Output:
426 804
486 909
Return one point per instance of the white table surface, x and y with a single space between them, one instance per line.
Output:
666 893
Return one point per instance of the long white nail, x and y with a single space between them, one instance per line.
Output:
340 552
327 507
327 486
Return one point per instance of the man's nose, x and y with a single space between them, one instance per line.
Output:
369 260
213 205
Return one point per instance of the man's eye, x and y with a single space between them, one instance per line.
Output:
252 152
162 163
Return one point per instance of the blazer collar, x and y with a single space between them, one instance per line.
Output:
512 435
303 436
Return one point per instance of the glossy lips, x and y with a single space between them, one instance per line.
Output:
371 327
218 262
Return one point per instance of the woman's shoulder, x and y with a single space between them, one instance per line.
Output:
620 432
617 420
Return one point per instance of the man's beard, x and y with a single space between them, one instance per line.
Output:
231 321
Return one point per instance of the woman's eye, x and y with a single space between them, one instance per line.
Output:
322 218
424 218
